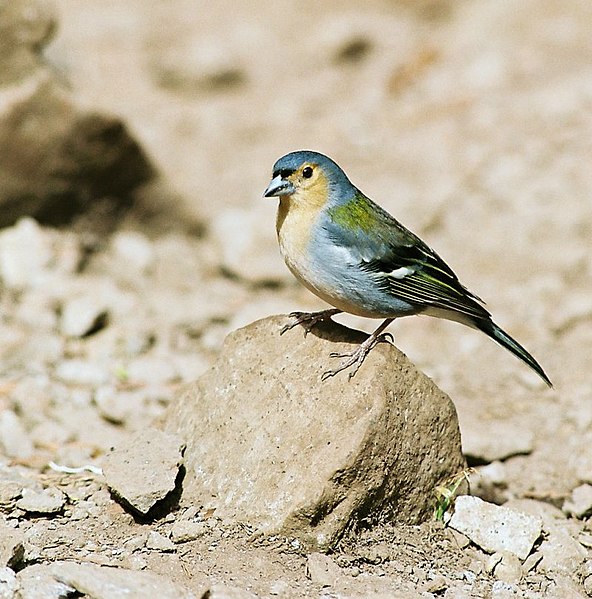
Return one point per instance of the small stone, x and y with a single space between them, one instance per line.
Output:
495 528
183 531
159 542
502 440
438 584
117 406
134 250
494 473
579 504
144 470
81 372
25 253
560 552
507 568
504 590
14 439
136 542
279 587
8 583
82 315
151 370
322 570
37 582
102 582
47 501
460 540
248 251
531 562
12 550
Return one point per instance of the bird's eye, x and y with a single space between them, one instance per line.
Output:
307 172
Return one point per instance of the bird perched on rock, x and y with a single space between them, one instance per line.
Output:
354 255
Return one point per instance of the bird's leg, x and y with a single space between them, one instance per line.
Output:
309 319
357 357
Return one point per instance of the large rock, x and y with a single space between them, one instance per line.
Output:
270 444
57 159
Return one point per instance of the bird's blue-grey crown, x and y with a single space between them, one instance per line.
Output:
336 178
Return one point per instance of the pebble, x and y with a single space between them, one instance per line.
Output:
14 439
186 530
12 550
102 582
159 542
151 370
248 250
133 250
81 372
143 470
495 528
25 253
322 570
82 314
8 583
47 501
579 504
507 567
502 440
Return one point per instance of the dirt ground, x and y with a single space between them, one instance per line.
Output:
471 122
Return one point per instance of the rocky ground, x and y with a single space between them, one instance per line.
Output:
135 145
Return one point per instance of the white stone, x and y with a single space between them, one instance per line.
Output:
579 504
495 528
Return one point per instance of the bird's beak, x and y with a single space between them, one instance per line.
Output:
279 187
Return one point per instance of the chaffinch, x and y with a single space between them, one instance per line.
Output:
355 256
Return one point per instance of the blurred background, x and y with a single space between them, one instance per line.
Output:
136 139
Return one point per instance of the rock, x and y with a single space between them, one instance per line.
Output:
14 439
144 470
8 583
306 457
81 372
133 250
159 542
82 315
559 552
504 590
37 582
12 549
56 159
495 528
199 65
183 531
101 582
501 440
579 504
25 254
248 250
48 501
26 26
322 570
507 567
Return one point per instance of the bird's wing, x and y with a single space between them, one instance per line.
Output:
402 263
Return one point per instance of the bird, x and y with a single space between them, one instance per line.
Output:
359 259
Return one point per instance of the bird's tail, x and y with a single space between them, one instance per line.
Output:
490 328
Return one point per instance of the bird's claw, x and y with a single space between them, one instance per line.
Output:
357 357
308 320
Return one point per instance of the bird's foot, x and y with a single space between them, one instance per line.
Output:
356 358
309 319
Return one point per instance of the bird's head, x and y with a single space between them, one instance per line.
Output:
308 177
